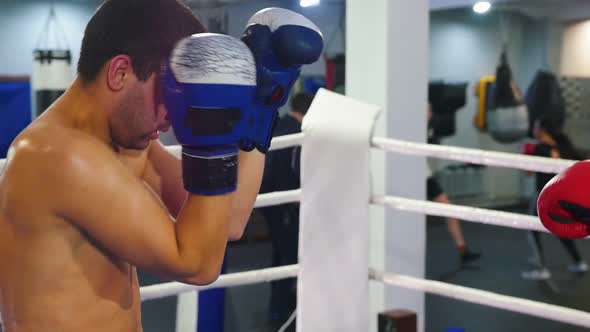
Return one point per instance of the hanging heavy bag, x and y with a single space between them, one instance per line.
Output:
445 100
544 97
507 116
52 74
52 66
447 97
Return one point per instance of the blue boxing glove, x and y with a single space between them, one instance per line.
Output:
209 87
281 41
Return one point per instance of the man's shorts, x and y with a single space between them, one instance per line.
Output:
433 189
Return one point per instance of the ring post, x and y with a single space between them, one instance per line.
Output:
334 231
187 307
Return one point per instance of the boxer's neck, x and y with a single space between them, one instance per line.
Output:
85 107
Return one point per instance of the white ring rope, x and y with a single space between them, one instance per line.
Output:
286 141
226 280
176 150
277 143
474 156
277 198
484 216
490 299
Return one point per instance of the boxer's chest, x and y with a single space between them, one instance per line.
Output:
135 162
139 165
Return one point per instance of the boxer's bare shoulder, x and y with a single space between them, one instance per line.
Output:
44 157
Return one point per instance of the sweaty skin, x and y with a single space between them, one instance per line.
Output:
78 214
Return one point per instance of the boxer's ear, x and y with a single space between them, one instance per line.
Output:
119 71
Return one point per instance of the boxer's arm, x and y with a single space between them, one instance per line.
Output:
169 173
250 171
95 192
164 171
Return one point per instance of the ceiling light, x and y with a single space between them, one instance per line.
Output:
309 3
482 7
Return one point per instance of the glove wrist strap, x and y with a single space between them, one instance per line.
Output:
207 173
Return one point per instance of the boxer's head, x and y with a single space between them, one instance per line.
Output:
124 46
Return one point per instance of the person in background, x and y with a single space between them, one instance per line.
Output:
553 143
435 193
281 172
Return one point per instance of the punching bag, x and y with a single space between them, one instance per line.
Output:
52 65
544 97
507 117
52 74
445 99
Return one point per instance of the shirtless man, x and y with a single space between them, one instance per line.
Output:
88 194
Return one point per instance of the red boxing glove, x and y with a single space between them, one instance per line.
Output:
564 203
528 148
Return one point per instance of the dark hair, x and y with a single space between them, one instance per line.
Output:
301 101
145 30
553 127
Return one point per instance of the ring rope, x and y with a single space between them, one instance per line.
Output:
277 198
487 298
227 280
473 214
474 156
286 141
277 143
176 150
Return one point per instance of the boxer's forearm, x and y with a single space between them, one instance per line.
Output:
250 171
169 177
206 223
201 238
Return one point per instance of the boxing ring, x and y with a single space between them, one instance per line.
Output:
334 243
333 271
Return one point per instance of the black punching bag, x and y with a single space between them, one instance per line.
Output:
507 116
445 100
52 74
